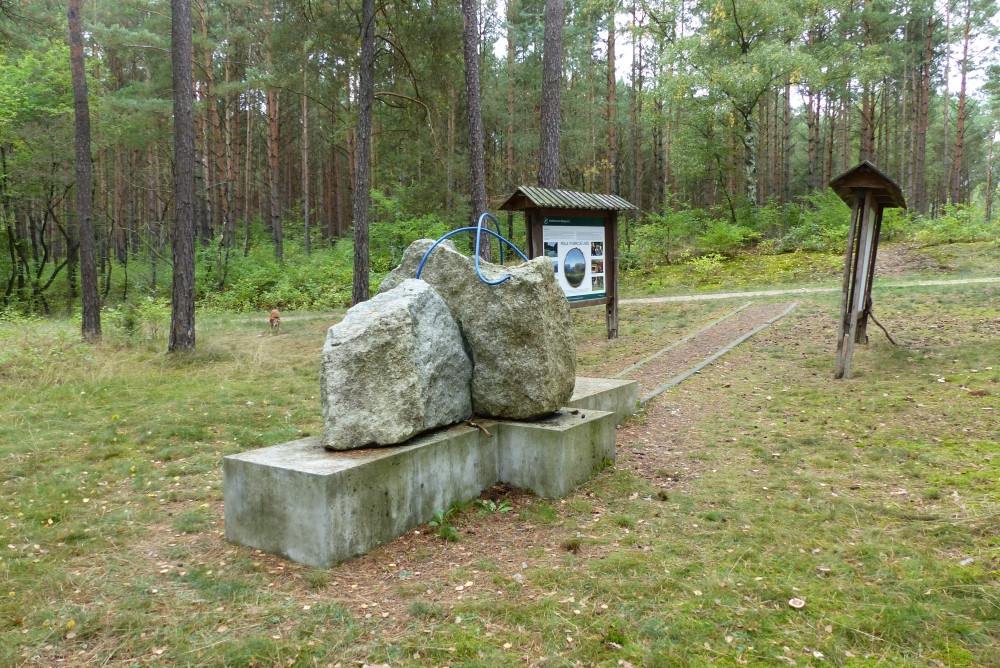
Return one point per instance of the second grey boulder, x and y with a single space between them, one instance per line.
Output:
519 332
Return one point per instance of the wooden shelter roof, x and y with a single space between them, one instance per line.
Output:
528 197
865 175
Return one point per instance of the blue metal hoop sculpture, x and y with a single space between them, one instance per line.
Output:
478 229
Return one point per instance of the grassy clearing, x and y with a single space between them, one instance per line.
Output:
875 500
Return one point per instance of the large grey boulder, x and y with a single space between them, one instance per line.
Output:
394 367
519 332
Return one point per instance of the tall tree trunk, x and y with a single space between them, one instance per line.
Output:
273 171
945 167
512 8
362 172
552 82
611 183
786 144
182 312
989 176
920 153
956 169
91 330
474 107
305 161
867 123
636 119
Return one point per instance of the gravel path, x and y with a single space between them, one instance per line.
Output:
680 360
801 291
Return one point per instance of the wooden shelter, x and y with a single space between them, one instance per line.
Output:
868 191
579 231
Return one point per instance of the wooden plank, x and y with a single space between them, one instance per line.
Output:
866 231
861 335
845 300
611 272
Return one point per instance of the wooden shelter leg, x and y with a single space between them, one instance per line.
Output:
611 274
845 300
866 230
861 334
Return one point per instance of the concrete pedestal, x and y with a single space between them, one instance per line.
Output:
320 508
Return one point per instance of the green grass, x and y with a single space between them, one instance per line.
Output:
876 500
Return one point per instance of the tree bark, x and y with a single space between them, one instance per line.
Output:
956 168
182 311
362 170
920 152
474 107
611 184
552 81
91 330
305 161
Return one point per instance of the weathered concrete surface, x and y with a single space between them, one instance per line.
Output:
319 508
606 394
394 367
519 332
555 455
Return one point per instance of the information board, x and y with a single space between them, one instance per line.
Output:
576 246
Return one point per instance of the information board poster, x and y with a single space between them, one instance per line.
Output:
576 246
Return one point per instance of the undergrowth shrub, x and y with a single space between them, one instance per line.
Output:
664 238
320 280
144 319
821 224
957 223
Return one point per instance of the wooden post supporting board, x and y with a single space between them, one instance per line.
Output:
868 192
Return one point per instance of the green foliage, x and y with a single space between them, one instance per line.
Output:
145 319
488 506
723 237
446 531
393 229
663 238
955 224
320 280
821 225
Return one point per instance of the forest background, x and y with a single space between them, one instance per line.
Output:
721 120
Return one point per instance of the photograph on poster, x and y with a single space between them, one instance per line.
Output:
577 244
575 267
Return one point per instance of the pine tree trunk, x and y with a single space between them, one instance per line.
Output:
273 173
552 81
182 313
305 162
91 330
362 173
611 184
956 177
512 8
473 102
920 152
945 167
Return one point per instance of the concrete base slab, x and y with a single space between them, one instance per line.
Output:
320 508
606 394
555 455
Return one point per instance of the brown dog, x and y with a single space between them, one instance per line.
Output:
275 321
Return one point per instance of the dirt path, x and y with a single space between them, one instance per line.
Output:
688 355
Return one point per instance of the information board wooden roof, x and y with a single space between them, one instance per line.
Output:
865 175
528 197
